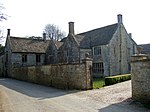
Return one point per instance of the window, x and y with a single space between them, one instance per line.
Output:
38 58
97 51
133 49
6 57
67 53
24 58
98 68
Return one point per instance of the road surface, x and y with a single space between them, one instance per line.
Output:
18 96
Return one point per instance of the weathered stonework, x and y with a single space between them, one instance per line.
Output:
121 48
69 51
17 60
65 76
140 75
2 63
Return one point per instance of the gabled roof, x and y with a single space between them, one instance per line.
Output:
99 36
79 38
58 44
145 48
29 45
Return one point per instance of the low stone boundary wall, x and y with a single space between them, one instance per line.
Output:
65 76
140 76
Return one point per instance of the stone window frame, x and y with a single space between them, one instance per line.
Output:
97 50
68 54
98 67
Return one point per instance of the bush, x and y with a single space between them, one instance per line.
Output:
116 79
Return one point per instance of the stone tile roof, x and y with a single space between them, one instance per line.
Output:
79 38
99 36
58 44
29 45
145 48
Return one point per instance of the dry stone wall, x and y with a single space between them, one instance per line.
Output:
65 76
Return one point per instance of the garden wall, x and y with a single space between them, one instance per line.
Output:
64 76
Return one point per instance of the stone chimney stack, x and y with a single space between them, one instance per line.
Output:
71 27
44 37
8 32
119 16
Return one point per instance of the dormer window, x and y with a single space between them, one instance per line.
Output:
97 50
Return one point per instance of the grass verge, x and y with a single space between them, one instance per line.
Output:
98 83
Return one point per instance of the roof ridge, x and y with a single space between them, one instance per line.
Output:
144 44
25 38
19 37
98 28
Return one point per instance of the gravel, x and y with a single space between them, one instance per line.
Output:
110 94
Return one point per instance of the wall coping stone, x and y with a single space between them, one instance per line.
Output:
140 57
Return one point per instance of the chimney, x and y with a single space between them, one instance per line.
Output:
71 27
119 18
130 35
44 37
8 32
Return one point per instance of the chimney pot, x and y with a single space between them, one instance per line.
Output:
71 27
8 32
119 18
44 36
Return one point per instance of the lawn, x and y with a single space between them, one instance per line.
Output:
98 83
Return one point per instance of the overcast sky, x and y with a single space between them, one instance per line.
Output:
29 17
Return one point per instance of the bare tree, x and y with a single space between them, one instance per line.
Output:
2 15
53 32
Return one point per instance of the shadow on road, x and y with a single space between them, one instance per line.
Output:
125 106
33 90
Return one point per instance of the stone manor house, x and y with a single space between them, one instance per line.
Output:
110 47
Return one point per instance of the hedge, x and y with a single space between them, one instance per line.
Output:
116 79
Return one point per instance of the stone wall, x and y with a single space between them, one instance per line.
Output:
51 53
65 76
16 59
2 65
140 75
104 57
69 51
121 48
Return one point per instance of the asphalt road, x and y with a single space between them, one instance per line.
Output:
18 96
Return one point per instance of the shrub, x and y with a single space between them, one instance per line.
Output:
116 79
